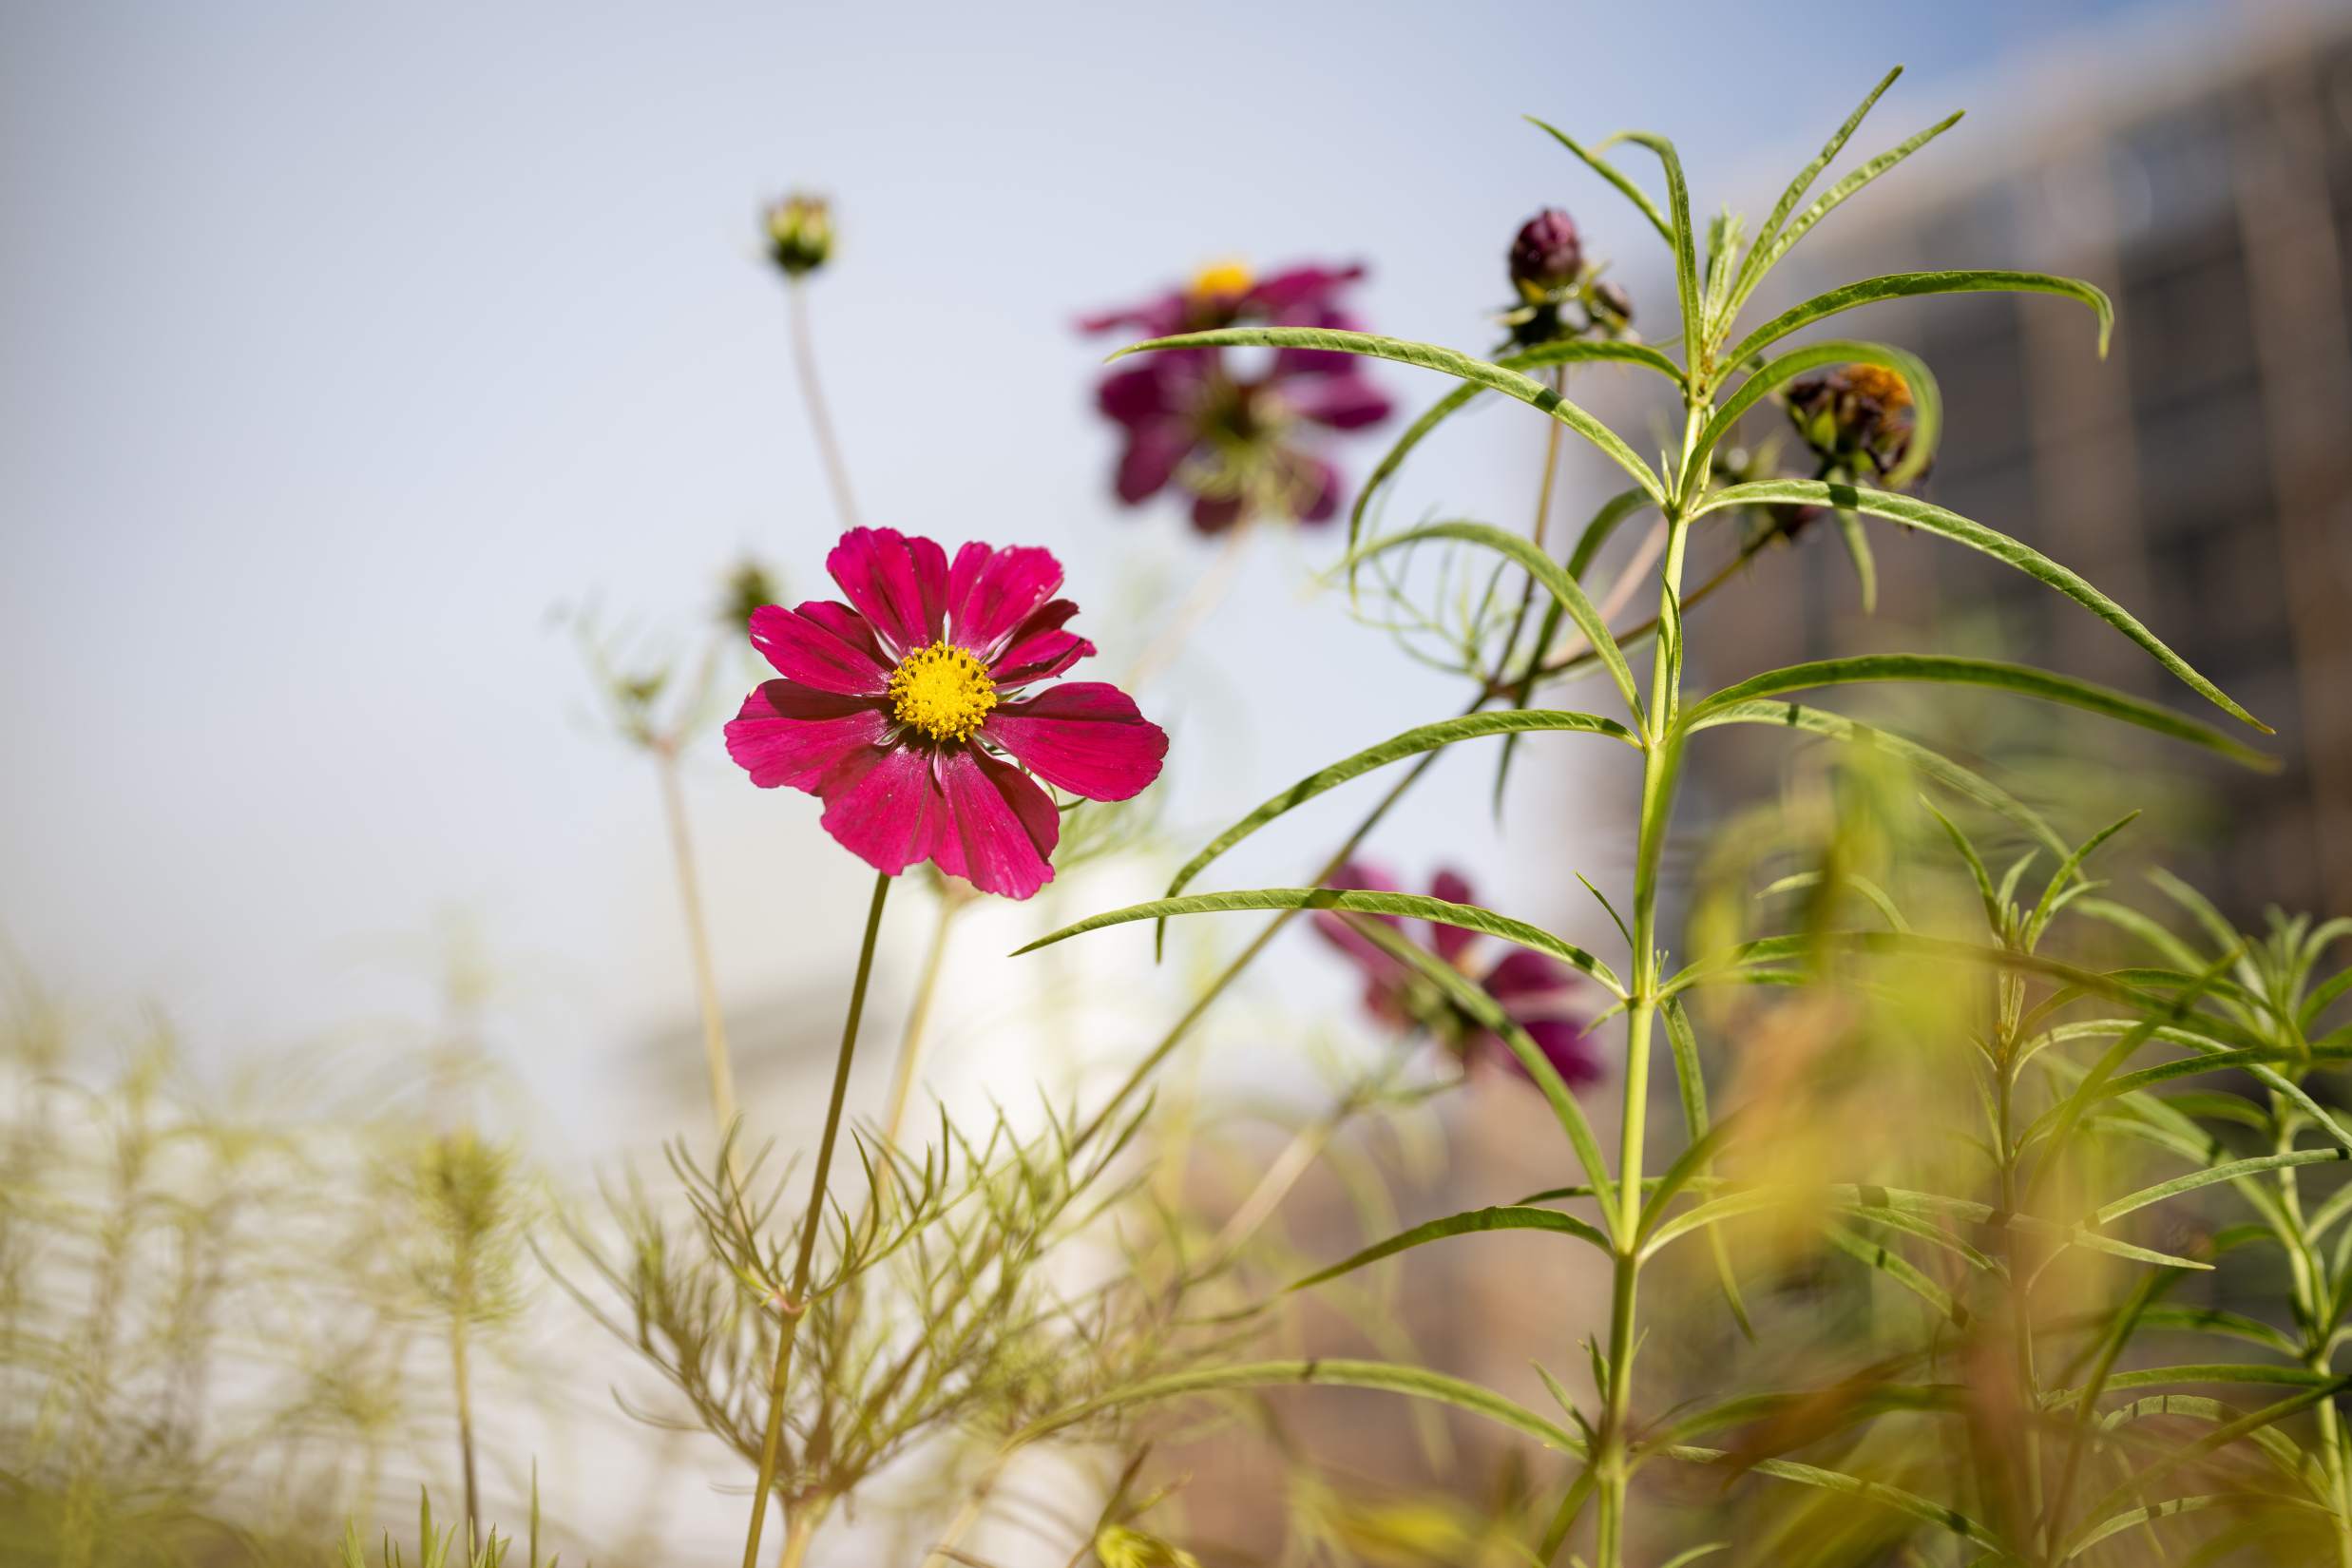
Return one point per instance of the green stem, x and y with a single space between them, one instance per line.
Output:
716 1062
951 899
796 1303
1661 764
813 392
465 1432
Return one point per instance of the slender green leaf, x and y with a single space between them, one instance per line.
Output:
1843 191
1680 236
2229 1171
1906 285
1487 1013
1857 542
2220 1437
1613 175
1574 352
1500 1217
1837 1481
1414 1382
1468 917
1932 765
1414 742
1547 572
1877 1255
2021 678
1934 519
1750 269
1428 357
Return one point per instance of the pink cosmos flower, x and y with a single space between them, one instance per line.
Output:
899 709
1537 992
1238 444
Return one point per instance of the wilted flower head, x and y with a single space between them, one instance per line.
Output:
1227 438
1857 417
1536 991
800 233
898 710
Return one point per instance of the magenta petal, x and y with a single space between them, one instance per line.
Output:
991 592
884 806
1087 737
1379 970
1141 395
1214 514
898 582
1451 941
822 644
1565 1044
1526 975
1041 648
1312 487
1344 402
1000 830
788 734
1151 457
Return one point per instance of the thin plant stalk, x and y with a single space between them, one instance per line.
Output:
1543 514
951 901
1292 1163
796 1304
717 1062
464 1385
1206 594
1658 769
813 392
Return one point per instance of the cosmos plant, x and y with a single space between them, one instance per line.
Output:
2030 1272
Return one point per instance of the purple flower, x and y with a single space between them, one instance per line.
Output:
1537 992
901 710
1229 440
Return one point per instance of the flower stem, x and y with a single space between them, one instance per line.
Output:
464 1431
1660 765
1274 1185
951 901
796 1304
720 1068
813 392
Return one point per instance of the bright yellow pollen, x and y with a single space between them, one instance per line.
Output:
1228 276
942 690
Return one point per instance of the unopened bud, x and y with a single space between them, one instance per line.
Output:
749 587
800 234
1611 304
1546 256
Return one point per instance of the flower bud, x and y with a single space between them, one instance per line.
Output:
748 588
800 234
1612 305
1546 256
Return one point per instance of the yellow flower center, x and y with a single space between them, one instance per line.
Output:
942 690
1219 279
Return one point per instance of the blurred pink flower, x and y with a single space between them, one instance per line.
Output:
898 710
1537 992
1230 442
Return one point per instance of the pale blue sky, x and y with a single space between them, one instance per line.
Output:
339 344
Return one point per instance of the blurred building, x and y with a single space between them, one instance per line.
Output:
2202 475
